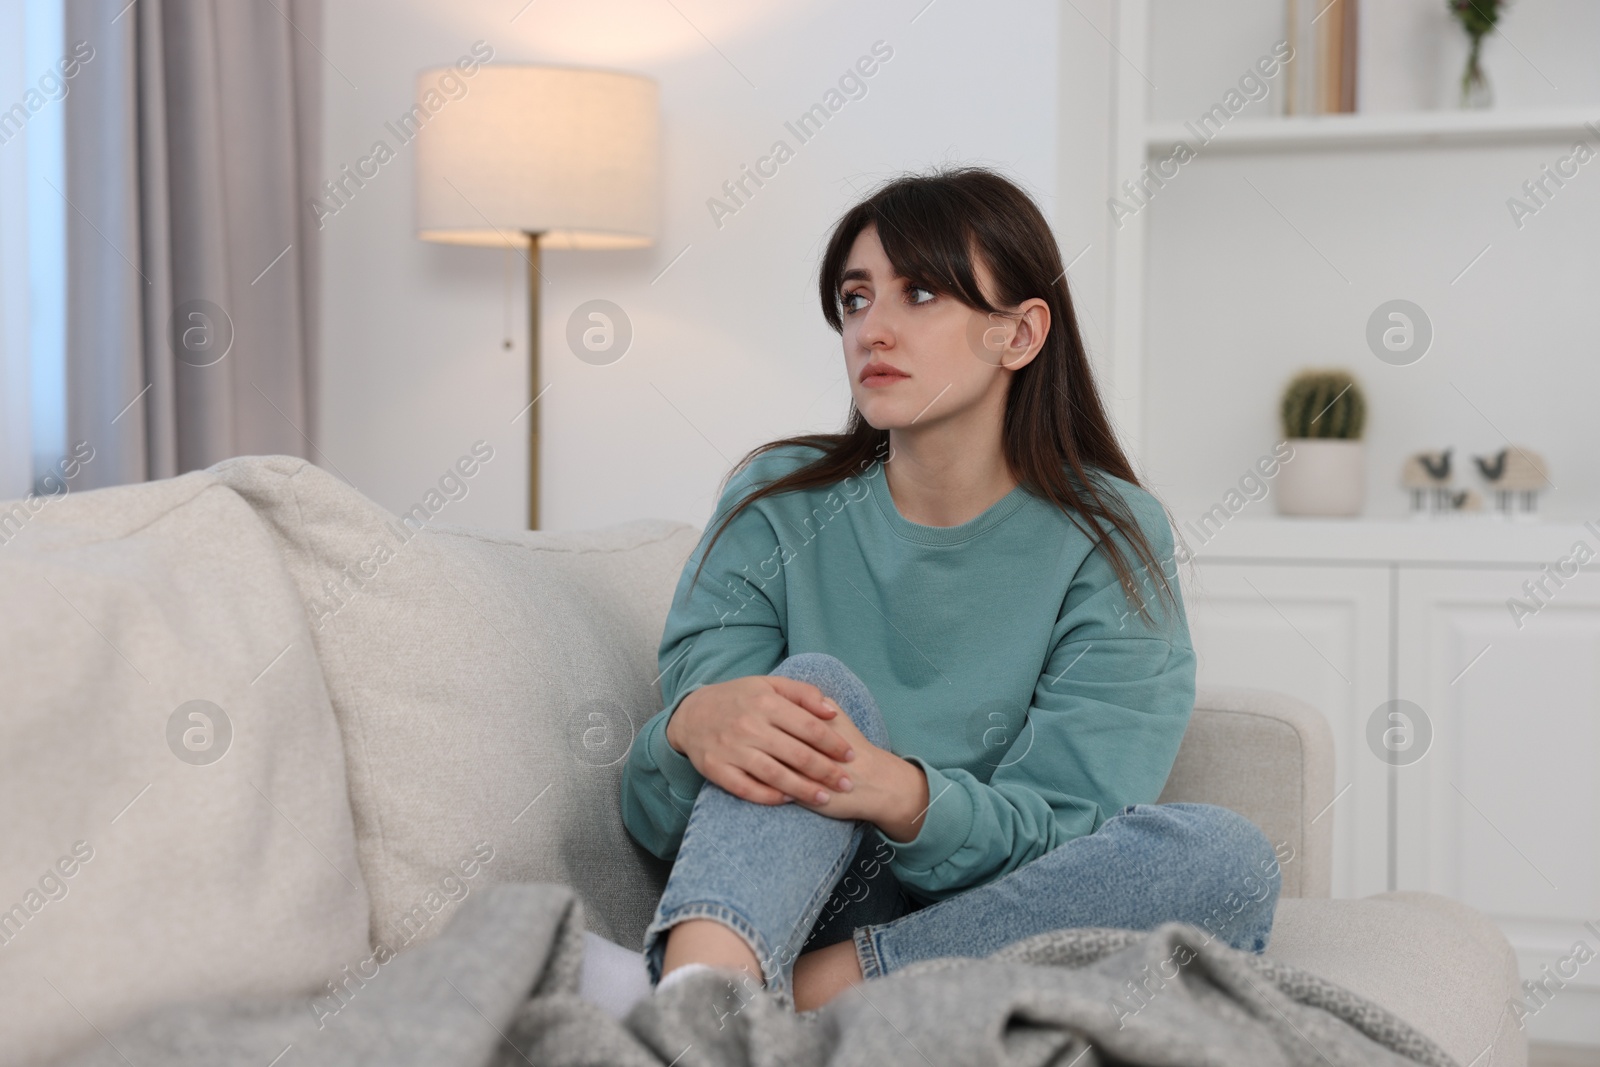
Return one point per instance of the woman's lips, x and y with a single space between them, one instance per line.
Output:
874 381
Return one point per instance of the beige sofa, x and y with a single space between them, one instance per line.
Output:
259 733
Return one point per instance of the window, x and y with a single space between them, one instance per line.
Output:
32 245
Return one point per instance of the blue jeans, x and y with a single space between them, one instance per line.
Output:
788 880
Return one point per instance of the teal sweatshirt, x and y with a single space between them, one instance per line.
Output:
1006 658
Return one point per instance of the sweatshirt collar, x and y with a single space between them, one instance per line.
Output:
907 530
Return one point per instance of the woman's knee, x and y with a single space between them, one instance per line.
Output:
1229 864
1222 840
840 684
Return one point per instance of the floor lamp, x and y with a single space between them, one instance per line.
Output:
524 157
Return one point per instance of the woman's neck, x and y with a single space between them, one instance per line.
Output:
945 482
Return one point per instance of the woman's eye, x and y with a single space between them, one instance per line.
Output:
846 299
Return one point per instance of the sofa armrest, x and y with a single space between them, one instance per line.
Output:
1269 757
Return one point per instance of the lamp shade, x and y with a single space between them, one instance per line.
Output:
568 153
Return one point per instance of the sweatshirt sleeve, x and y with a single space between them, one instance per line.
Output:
1108 714
729 626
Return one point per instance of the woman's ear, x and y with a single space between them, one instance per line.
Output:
1032 325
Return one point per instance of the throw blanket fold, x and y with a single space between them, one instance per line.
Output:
498 988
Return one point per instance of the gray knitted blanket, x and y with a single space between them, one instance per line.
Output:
499 987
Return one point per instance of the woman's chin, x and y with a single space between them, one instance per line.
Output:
881 413
883 420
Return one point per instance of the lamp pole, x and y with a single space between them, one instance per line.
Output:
538 150
533 379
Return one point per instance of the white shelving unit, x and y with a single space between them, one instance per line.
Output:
1385 609
1135 140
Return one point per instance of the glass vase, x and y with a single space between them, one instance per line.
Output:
1476 93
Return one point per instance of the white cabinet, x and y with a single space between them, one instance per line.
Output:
1501 810
1320 634
1504 811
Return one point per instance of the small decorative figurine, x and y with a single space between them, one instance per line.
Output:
1515 470
1516 476
1428 471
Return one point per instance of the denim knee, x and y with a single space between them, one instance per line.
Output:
840 684
1234 867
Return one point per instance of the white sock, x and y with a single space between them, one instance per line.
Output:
612 977
680 972
684 971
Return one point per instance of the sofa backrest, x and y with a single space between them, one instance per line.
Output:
488 688
172 777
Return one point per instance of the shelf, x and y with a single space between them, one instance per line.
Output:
1484 540
1399 130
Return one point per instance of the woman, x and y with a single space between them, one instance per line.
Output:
917 702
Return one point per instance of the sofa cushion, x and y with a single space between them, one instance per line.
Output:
1437 963
172 777
488 687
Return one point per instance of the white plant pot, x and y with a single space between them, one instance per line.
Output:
1325 476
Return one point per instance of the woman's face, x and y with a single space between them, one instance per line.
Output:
951 358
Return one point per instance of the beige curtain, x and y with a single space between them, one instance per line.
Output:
191 153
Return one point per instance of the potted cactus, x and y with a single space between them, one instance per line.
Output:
1323 413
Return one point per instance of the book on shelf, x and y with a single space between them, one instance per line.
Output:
1320 78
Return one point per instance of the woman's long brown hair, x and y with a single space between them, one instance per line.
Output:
1055 424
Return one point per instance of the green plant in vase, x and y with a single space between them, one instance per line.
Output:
1323 403
1323 413
1478 18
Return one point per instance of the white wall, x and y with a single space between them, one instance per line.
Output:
730 349
1082 223
1199 51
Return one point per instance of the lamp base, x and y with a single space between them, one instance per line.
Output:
534 275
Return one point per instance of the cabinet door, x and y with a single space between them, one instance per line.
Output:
1503 812
1320 633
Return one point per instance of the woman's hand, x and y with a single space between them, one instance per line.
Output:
766 738
890 792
